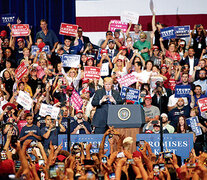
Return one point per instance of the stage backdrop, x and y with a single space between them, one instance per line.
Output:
32 11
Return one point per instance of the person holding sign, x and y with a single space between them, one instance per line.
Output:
102 98
136 34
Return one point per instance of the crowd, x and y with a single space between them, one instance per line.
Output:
158 65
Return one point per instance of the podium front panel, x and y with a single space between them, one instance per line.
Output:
125 116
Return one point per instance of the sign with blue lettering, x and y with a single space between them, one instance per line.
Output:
95 139
70 60
34 50
132 94
182 91
193 123
179 144
168 33
182 31
8 18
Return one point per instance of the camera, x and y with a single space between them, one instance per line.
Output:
33 144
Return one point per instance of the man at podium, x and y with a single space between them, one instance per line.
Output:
102 98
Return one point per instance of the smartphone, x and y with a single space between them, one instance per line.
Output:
52 171
39 86
112 176
60 166
162 166
94 146
104 160
155 122
120 155
130 161
167 155
29 150
84 145
32 157
156 169
191 165
88 162
41 162
33 144
17 165
9 108
3 155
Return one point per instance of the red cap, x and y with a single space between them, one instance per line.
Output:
148 97
3 33
89 58
148 132
85 81
164 65
137 154
7 167
56 101
26 111
20 39
129 101
41 45
61 158
155 47
9 104
69 88
104 51
122 48
86 91
79 111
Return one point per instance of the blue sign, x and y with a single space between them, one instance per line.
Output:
182 31
132 94
95 139
70 60
192 122
179 144
182 91
168 33
34 49
8 18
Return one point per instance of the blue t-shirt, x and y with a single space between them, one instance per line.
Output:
64 122
25 130
53 136
74 124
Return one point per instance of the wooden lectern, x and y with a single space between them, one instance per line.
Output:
126 119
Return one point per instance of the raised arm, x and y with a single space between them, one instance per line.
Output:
128 30
154 28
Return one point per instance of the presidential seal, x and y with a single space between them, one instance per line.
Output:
124 114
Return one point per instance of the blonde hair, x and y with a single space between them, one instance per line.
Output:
25 49
108 79
116 69
72 69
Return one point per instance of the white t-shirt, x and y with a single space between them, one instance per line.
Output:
173 100
146 76
121 73
139 76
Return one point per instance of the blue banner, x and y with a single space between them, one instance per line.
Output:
70 60
34 49
132 94
182 31
95 139
168 33
8 18
182 91
179 144
193 123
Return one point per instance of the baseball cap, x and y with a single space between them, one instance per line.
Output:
69 88
104 51
85 81
3 33
122 48
8 104
164 65
89 58
164 115
182 42
79 111
111 41
20 39
148 97
86 91
155 47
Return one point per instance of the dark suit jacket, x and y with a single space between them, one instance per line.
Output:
186 61
101 114
86 40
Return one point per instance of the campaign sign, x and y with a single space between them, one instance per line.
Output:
8 18
132 94
76 100
20 30
68 29
179 144
202 104
105 69
70 60
34 49
21 71
192 122
94 139
182 31
182 91
91 72
167 33
24 100
49 110
128 16
116 24
127 80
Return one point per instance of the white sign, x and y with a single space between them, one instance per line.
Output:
24 100
105 69
152 6
127 16
49 110
70 60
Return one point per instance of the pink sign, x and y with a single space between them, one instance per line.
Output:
202 104
68 29
91 72
127 80
21 71
20 30
116 24
76 100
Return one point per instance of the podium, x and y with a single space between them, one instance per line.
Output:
126 119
